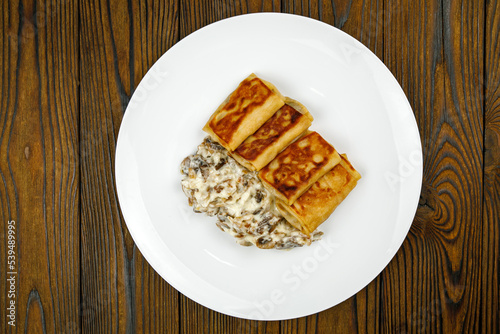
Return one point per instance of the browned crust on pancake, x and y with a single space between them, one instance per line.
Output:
277 133
249 106
315 206
301 164
283 120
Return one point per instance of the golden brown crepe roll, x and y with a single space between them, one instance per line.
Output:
278 132
301 164
317 204
244 111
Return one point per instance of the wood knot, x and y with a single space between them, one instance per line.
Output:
492 148
428 208
427 201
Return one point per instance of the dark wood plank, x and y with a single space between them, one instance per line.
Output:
414 54
195 14
196 318
156 302
435 50
490 279
364 20
39 172
119 43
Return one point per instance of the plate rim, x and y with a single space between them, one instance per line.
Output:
119 147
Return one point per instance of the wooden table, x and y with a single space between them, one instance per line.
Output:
69 68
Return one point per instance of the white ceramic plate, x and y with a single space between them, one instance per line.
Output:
358 106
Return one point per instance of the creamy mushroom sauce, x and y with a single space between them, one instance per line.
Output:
219 186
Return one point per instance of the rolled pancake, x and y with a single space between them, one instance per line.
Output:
278 132
244 111
312 208
297 167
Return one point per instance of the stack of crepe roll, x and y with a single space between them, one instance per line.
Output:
267 132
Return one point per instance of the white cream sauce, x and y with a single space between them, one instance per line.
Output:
218 185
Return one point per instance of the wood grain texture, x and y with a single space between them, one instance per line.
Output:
413 51
68 71
195 14
363 20
119 43
435 50
490 275
156 302
39 164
